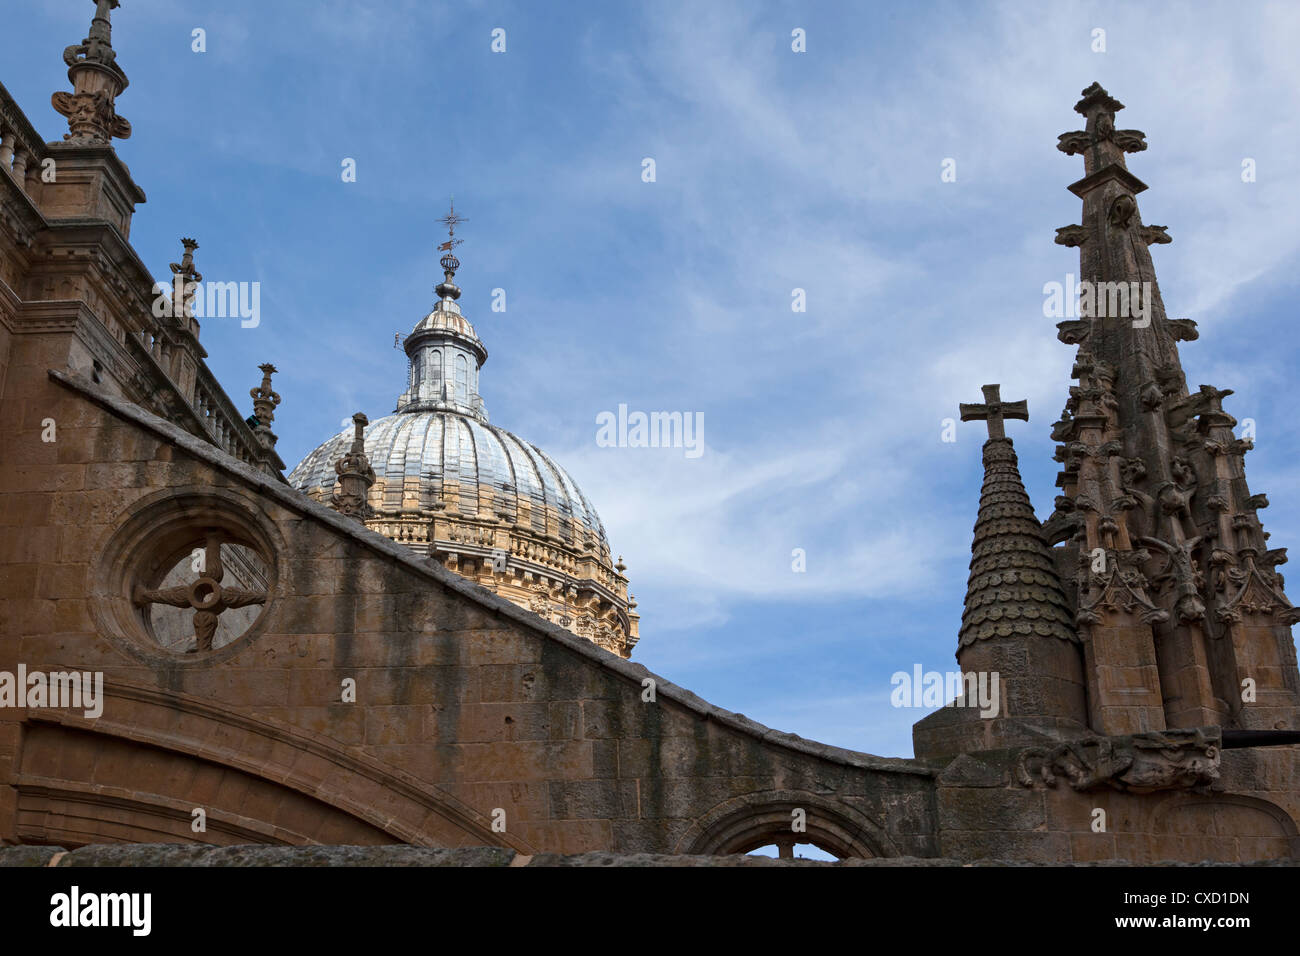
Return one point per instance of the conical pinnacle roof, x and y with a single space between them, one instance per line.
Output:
1013 586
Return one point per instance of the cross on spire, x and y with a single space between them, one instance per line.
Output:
451 221
994 410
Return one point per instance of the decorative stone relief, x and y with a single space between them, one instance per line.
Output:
206 595
1141 763
188 575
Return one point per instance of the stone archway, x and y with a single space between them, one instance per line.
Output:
755 820
1230 828
156 743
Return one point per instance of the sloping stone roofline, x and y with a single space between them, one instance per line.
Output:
379 544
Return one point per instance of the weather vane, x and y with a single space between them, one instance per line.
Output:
451 221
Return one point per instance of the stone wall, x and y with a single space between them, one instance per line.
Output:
474 722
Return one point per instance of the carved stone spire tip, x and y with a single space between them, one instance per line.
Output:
97 81
1096 95
1100 142
265 401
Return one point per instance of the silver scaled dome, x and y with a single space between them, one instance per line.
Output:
478 499
423 459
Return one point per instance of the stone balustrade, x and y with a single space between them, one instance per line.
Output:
21 148
227 429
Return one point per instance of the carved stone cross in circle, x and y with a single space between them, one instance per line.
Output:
994 410
207 596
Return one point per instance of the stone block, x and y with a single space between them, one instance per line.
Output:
984 808
593 799
1035 847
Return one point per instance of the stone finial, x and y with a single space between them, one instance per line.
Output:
185 268
1096 100
97 81
184 278
1100 143
620 567
264 402
994 410
355 474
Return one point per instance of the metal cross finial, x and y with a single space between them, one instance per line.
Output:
994 410
451 221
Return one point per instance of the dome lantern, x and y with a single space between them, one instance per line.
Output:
445 352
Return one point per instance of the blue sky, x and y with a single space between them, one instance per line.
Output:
775 170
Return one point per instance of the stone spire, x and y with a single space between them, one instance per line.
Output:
1176 594
1017 647
1013 587
97 81
264 402
355 474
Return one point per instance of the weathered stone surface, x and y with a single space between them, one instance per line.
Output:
29 855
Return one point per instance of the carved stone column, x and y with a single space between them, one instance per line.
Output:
21 158
264 403
355 475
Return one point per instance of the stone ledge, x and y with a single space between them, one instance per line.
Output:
166 854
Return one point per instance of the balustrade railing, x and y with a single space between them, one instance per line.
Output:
22 151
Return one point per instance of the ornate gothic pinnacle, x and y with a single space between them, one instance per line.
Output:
185 276
1100 143
355 474
97 81
264 402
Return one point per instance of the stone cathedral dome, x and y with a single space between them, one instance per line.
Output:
478 499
